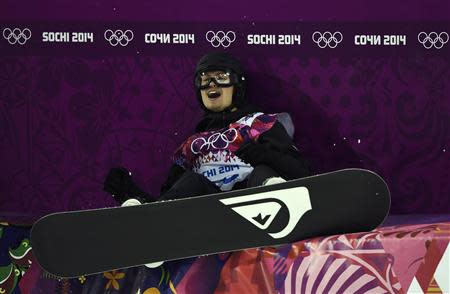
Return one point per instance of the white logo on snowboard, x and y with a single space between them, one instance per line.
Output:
297 202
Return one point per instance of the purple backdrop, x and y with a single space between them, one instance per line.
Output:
66 118
281 10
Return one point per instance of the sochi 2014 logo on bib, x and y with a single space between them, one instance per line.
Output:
262 209
214 141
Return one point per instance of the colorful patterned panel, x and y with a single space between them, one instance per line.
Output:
394 259
397 259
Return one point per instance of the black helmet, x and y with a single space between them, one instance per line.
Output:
228 63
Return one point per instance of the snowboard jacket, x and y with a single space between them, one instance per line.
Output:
210 151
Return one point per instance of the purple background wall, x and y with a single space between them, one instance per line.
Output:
281 10
66 119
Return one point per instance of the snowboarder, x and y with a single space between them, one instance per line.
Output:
235 145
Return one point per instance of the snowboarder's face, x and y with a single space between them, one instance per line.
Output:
216 98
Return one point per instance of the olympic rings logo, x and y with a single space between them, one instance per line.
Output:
118 37
220 38
216 141
327 39
17 35
433 39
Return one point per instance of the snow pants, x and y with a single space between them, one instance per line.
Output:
191 184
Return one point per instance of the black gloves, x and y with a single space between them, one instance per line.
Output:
255 153
120 185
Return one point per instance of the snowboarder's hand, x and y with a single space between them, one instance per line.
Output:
254 153
117 183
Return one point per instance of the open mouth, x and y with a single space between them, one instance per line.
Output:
214 93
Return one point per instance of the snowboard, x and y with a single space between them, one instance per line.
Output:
71 244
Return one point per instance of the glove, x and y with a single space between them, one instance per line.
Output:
120 185
117 182
255 153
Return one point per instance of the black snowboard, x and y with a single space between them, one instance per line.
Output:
71 244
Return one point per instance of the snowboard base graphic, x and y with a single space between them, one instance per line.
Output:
71 244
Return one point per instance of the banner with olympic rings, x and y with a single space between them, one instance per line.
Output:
291 39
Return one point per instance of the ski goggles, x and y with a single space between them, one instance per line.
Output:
222 79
